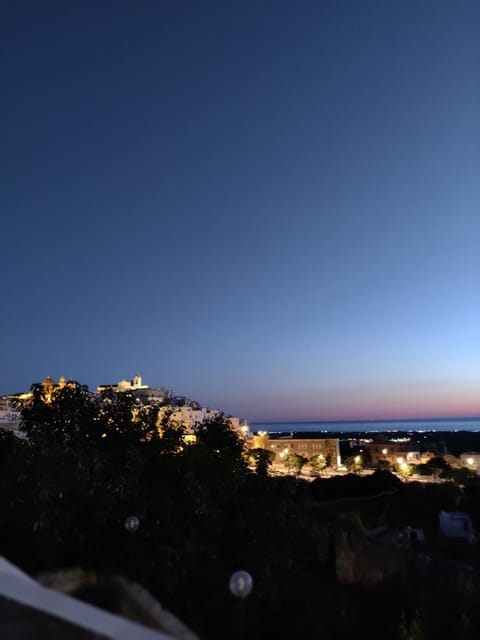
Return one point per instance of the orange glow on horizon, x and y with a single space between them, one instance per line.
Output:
412 402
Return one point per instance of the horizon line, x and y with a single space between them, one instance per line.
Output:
374 420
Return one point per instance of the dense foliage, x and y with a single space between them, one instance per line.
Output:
85 465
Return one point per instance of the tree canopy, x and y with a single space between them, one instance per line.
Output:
87 463
295 462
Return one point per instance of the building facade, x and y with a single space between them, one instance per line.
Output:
326 448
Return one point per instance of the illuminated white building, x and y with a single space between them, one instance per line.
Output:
124 385
191 418
10 416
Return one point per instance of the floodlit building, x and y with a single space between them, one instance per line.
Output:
11 406
327 448
153 395
191 418
124 385
395 453
10 415
471 460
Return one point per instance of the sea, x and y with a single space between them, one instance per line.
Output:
462 424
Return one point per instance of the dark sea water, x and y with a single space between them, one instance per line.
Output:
463 424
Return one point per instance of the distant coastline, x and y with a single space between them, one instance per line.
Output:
430 424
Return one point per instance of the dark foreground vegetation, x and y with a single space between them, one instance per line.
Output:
86 465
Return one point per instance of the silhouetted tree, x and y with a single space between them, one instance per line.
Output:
318 463
262 458
295 462
354 464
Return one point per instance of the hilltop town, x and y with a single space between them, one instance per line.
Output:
409 455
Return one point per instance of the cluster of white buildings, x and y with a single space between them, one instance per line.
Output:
182 410
9 415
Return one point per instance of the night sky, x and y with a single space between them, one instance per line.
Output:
272 207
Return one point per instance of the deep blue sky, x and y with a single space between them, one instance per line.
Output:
272 207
